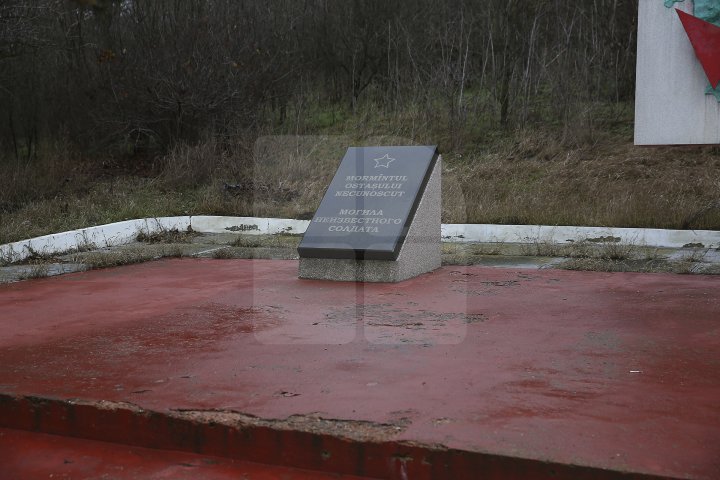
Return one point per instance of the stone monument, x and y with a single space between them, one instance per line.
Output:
379 220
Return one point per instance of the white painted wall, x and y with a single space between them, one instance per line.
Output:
671 107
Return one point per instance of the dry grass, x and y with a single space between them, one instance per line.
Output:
585 249
225 254
628 258
264 252
247 241
612 183
695 255
616 251
6 259
586 255
517 181
267 241
100 202
167 236
682 267
54 174
605 265
541 175
38 270
128 256
489 249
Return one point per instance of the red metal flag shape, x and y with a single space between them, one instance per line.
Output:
705 39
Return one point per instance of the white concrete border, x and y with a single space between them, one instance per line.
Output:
562 235
248 225
111 235
123 233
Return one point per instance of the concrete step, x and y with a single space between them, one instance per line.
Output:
36 456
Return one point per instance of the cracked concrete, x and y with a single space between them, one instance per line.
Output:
356 430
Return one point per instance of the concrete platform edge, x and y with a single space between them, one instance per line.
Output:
122 233
127 424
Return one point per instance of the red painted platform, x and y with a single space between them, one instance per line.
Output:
31 456
468 372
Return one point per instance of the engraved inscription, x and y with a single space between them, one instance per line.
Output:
366 221
366 210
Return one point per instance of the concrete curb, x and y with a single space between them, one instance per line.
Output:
248 225
122 233
563 235
111 235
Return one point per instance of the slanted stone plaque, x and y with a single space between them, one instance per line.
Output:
379 220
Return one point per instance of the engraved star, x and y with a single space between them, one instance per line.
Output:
384 161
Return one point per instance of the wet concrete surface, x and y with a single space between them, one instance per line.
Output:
513 372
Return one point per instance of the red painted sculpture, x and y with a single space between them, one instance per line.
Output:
705 39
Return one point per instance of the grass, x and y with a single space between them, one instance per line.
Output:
7 258
246 241
128 256
104 201
616 251
590 255
166 236
544 174
225 254
696 255
488 249
281 240
612 184
38 270
584 249
642 266
586 255
619 257
280 246
164 244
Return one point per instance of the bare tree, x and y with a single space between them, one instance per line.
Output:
146 74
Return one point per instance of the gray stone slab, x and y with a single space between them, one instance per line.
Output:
366 212
420 252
